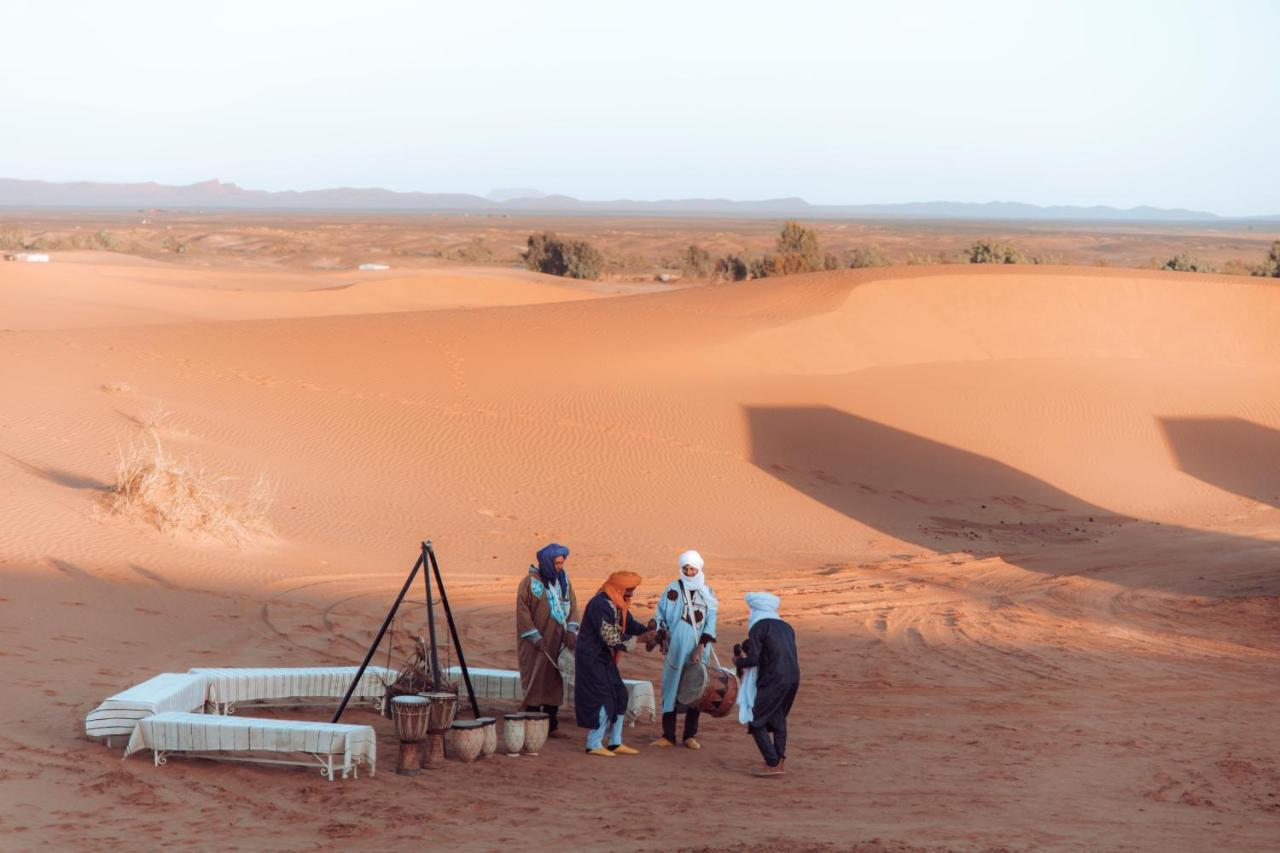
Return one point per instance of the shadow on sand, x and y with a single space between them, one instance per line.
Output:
1233 454
946 499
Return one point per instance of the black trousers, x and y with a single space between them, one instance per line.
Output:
772 748
690 724
552 711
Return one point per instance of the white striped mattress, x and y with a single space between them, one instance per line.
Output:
169 691
505 684
243 684
177 732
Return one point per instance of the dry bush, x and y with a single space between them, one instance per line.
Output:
153 418
861 258
1270 267
117 388
475 252
731 268
173 496
696 262
991 252
1185 263
547 253
1235 266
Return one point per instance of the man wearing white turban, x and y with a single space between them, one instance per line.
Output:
770 678
686 615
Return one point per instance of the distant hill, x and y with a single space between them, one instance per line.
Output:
221 195
510 193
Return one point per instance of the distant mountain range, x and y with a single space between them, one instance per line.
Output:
220 195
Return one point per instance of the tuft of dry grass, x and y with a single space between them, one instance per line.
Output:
117 388
174 496
153 418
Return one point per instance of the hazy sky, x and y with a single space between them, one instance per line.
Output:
1168 103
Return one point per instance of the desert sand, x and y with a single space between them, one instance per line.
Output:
1026 521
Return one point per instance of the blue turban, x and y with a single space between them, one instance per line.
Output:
547 566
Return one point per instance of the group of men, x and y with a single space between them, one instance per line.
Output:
555 639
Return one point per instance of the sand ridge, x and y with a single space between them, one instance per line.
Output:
1007 510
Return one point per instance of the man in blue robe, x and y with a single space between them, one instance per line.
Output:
687 612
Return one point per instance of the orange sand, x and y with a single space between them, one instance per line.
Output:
1025 521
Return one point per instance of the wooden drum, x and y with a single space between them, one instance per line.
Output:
410 715
466 739
490 727
710 689
443 706
537 727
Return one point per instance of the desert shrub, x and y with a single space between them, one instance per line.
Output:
731 268
569 258
474 252
175 497
830 262
105 240
696 262
925 259
1236 266
990 252
795 239
860 258
1183 262
1271 265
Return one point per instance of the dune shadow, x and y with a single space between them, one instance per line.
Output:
59 476
1233 454
947 499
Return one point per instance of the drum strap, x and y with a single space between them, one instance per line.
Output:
688 609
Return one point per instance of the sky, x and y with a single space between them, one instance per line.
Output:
1124 102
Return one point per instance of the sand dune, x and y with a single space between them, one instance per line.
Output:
1024 519
128 292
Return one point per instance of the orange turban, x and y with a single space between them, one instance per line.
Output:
615 586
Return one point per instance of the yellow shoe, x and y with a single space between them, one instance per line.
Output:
623 749
662 742
600 751
690 743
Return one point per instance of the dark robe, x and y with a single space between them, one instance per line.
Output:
773 651
540 680
596 681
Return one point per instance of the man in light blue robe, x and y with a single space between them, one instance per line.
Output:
687 626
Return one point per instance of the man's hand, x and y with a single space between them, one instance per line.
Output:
537 643
571 641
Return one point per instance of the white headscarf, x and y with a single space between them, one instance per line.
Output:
763 605
698 581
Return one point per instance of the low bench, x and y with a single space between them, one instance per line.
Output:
215 736
505 684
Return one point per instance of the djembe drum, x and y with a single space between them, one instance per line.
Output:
537 727
410 715
443 706
465 740
513 733
490 745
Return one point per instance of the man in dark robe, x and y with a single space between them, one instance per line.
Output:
771 677
546 622
599 696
